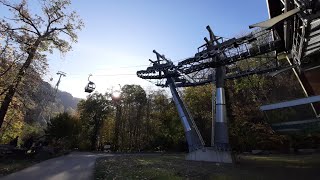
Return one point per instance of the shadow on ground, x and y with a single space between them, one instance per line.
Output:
72 166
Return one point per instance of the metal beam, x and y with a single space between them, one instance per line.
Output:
301 84
296 122
272 22
296 102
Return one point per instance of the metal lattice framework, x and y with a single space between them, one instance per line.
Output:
200 69
218 51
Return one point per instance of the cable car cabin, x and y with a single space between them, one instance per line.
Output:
90 87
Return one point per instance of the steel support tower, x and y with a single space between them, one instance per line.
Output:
217 61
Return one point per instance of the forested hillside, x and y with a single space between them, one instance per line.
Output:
27 36
34 107
50 103
67 100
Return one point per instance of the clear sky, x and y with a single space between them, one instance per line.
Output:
123 33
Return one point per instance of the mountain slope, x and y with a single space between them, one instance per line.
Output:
47 103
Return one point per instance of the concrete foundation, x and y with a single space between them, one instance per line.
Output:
211 155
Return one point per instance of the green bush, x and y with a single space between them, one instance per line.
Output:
64 131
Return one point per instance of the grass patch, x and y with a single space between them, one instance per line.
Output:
10 165
285 160
175 167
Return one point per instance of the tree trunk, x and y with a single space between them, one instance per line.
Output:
13 87
117 127
94 136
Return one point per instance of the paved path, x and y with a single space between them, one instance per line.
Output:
75 166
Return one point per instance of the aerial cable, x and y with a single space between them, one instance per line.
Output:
123 67
102 75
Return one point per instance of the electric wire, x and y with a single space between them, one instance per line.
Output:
123 67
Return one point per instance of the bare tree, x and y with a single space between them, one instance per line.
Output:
33 35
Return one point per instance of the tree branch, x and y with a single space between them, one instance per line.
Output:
22 16
61 30
5 47
7 70
11 65
4 91
24 29
51 22
66 32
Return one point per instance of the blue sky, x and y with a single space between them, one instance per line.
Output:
123 33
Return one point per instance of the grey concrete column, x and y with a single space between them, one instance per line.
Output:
213 112
221 137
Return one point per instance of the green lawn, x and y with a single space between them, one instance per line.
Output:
175 167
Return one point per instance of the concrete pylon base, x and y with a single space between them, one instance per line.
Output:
210 155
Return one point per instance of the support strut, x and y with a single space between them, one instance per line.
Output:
193 136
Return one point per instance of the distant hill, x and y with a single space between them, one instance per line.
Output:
48 105
67 100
